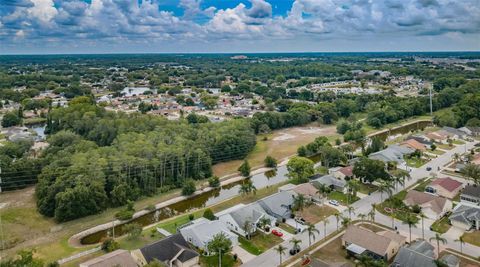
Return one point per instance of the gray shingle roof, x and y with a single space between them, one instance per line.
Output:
167 248
329 180
279 204
471 191
251 213
465 214
419 253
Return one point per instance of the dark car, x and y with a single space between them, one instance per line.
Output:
294 251
429 168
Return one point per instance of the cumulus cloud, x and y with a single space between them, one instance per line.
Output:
131 21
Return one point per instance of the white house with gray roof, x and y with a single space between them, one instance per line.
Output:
278 205
392 153
201 231
466 217
418 253
331 182
237 217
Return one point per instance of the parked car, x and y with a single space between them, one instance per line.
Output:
429 168
333 202
294 251
300 220
277 233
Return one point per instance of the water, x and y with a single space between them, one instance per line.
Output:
134 91
403 129
197 202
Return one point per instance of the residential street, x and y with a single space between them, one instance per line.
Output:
363 206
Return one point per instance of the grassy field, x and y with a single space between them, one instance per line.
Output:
259 242
415 162
148 236
287 228
212 261
441 226
332 252
367 188
399 210
437 152
279 144
472 238
421 186
315 213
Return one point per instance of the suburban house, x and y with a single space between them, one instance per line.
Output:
201 231
237 217
309 191
471 194
342 172
445 187
421 139
173 251
119 257
414 144
465 217
450 260
434 207
382 245
453 133
330 181
278 205
418 253
438 136
471 131
392 153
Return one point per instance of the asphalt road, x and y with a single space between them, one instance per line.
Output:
364 205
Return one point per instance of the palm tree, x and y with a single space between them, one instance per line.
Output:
296 243
350 210
411 220
472 172
456 157
422 216
264 221
325 222
299 202
337 216
247 227
281 251
346 221
372 213
362 216
461 241
323 191
385 187
439 240
247 187
353 187
311 233
399 176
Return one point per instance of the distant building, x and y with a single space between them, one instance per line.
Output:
331 182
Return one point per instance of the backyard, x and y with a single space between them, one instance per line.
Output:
259 242
422 185
315 213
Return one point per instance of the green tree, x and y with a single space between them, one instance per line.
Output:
311 230
220 244
296 244
244 169
439 239
281 251
411 220
270 162
133 230
370 170
299 202
208 213
188 187
11 119
300 169
472 173
23 258
247 187
214 182
461 241
385 187
247 228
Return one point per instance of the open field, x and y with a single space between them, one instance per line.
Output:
315 213
472 238
279 144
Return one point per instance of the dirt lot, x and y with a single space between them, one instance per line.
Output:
314 213
280 144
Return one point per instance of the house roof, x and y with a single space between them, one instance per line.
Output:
436 136
118 257
436 203
169 248
377 243
414 144
465 214
252 213
347 171
450 260
418 253
306 189
447 183
204 230
278 204
471 190
392 153
329 180
453 131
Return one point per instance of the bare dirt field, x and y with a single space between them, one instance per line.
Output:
279 144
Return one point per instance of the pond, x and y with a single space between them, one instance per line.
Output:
199 201
39 129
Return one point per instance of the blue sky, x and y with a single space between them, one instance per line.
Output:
155 26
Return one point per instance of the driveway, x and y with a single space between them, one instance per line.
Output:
242 254
453 233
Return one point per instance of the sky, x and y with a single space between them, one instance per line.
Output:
236 26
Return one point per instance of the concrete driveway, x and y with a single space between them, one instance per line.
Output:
453 233
242 254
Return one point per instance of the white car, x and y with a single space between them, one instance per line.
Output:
333 202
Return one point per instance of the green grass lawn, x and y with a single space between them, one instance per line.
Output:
415 162
148 236
472 238
367 188
458 142
259 242
212 261
287 228
437 152
441 226
400 210
444 146
421 186
342 198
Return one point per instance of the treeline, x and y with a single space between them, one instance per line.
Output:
98 159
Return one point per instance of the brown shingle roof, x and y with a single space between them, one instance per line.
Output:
374 242
347 171
447 183
412 143
414 197
306 189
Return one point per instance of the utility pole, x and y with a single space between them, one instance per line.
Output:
431 106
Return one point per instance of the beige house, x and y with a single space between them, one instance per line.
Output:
445 187
381 245
309 191
434 207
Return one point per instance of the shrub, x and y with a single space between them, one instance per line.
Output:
124 215
270 162
214 182
188 188
208 214
109 245
191 217
134 230
150 207
416 208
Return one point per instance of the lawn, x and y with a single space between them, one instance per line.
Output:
415 162
399 210
421 186
212 261
441 225
472 238
332 252
315 213
342 198
148 236
458 142
367 188
259 242
287 228
444 146
436 152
